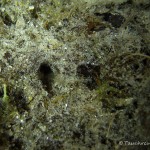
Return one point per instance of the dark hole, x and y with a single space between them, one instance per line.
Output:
119 107
103 140
146 63
45 69
97 14
7 20
130 115
135 104
91 74
106 16
76 135
115 20
135 67
45 74
19 101
1 93
16 144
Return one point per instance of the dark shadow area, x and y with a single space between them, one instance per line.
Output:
45 75
91 73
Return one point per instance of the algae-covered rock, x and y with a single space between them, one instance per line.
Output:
74 74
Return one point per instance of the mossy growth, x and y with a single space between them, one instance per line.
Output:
74 73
